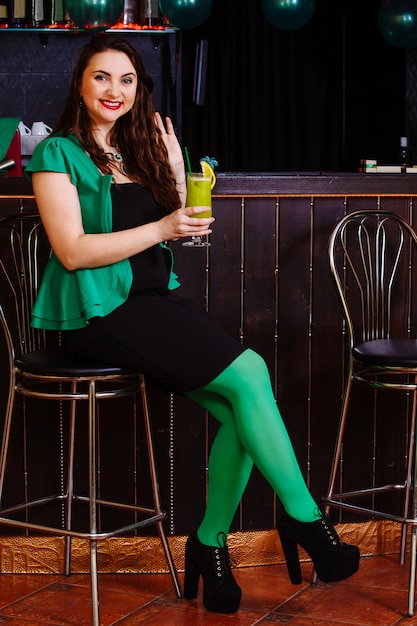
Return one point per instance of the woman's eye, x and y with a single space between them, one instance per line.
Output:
100 77
127 81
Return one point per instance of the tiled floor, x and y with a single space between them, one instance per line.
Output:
375 596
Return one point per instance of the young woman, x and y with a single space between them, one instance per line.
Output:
110 188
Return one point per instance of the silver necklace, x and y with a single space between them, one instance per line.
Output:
117 159
113 158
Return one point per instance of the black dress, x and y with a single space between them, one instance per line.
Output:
156 331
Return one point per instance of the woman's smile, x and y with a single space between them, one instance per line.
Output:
114 106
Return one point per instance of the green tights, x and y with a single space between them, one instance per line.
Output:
251 431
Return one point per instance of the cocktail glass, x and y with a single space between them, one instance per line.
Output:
198 194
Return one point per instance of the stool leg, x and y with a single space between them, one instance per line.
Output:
94 582
70 483
6 429
410 483
339 441
169 558
412 578
92 437
411 489
155 485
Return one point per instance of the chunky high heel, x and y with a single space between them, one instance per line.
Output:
221 593
333 560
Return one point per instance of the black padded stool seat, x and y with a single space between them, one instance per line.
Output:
387 352
57 363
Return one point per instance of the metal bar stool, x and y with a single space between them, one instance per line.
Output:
373 260
38 371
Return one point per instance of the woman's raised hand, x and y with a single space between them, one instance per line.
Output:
176 159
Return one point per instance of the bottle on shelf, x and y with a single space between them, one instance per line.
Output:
149 14
404 154
3 14
38 14
129 16
57 13
18 13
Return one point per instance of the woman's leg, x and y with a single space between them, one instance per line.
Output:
229 469
251 429
245 385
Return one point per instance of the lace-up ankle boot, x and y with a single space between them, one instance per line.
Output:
333 560
221 593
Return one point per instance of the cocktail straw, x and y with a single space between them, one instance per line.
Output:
187 158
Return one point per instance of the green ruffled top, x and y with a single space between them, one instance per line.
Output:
68 299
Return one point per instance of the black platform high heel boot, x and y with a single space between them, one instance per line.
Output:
221 593
333 560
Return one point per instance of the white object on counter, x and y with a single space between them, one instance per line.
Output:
28 143
40 128
30 138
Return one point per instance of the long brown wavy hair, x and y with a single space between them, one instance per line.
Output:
135 133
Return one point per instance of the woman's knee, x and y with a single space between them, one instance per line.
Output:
252 364
246 372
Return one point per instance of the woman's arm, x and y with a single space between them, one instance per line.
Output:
60 211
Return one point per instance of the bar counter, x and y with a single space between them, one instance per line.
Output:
286 183
266 279
319 183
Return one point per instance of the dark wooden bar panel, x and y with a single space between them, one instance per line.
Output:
266 279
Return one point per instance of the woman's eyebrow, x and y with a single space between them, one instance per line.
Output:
108 73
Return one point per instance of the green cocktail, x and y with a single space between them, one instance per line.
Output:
199 194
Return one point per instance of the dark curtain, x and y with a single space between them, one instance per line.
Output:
293 100
411 104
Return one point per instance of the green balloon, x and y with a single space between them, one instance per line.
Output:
288 14
186 13
397 22
94 14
